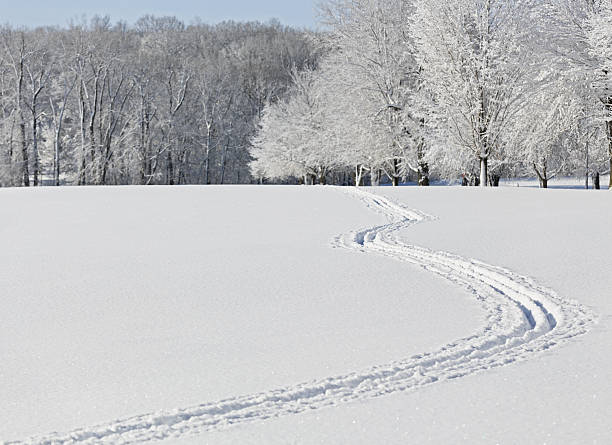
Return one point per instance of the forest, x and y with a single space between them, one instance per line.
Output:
457 90
467 91
158 102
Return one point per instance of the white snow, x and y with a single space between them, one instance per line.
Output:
125 304
559 182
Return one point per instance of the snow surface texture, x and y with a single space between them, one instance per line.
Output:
523 319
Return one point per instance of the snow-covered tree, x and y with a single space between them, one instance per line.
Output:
600 48
373 40
292 138
471 53
579 33
543 127
121 122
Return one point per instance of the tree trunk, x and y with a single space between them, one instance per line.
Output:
596 184
105 161
35 147
495 180
375 177
92 148
609 131
424 175
395 176
143 140
82 172
169 170
56 163
586 165
223 161
12 179
322 178
24 147
184 161
24 155
543 176
207 166
358 175
484 171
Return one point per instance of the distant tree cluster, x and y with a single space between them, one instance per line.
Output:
391 90
154 103
460 89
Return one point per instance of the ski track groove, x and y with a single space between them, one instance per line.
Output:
523 319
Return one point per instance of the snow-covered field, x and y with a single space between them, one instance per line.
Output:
562 182
306 315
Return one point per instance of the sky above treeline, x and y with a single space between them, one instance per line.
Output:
298 13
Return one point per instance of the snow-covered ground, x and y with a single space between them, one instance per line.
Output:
306 315
562 182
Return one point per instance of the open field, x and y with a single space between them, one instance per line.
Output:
306 315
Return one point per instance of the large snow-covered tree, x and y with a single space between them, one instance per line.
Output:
542 128
579 34
599 35
474 65
293 138
372 38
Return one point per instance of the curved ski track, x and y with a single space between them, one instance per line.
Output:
523 319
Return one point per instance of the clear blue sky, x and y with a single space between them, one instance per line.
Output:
58 12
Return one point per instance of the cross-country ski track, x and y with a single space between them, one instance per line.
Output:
523 319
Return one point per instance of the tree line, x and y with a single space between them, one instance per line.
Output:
389 90
473 90
158 102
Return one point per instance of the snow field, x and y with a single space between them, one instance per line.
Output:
523 319
126 301
561 239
